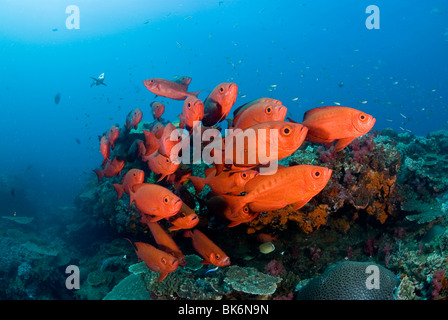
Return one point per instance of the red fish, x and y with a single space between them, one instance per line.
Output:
326 124
158 109
133 119
105 149
155 259
157 129
219 206
166 243
291 185
112 135
132 177
218 103
186 218
110 169
176 90
192 110
160 165
155 200
258 111
246 153
211 253
223 183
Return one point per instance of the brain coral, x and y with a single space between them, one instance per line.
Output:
347 281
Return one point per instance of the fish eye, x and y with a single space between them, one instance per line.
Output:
134 174
244 175
167 160
217 256
221 89
316 174
163 260
287 131
245 209
189 105
362 117
268 110
166 199
152 80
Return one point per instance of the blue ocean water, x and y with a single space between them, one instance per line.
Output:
296 51
305 53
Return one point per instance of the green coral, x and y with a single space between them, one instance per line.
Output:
250 280
130 288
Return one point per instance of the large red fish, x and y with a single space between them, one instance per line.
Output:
224 183
155 259
133 119
157 109
258 111
186 218
291 185
166 243
110 169
326 124
246 152
211 253
112 135
176 90
132 177
219 102
160 164
192 110
155 200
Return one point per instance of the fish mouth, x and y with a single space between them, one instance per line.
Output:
178 204
226 261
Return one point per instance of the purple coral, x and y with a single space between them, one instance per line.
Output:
274 268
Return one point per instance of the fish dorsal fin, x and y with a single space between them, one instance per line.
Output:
183 80
239 109
314 111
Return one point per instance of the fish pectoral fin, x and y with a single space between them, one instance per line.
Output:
104 84
162 276
342 143
233 224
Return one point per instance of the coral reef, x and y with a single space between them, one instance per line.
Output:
349 281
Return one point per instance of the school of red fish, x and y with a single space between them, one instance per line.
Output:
238 191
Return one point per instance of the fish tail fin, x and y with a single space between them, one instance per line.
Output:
152 144
119 188
198 183
195 93
99 174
